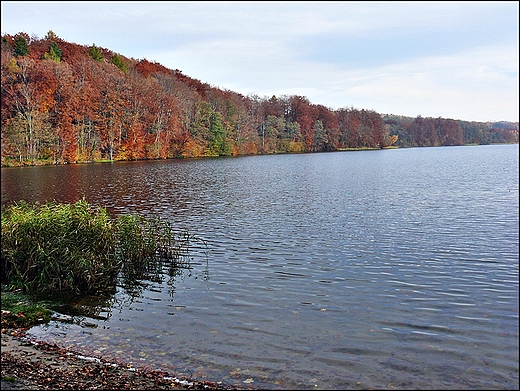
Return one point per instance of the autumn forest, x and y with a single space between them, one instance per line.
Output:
67 103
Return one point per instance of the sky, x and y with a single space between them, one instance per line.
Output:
450 59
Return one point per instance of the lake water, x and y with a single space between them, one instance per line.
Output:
345 270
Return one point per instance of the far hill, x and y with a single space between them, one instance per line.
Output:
67 103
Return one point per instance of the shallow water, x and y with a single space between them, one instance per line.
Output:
392 268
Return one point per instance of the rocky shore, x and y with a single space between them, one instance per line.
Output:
32 365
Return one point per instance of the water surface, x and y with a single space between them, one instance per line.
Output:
392 268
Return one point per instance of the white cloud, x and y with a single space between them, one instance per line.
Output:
458 85
469 85
449 59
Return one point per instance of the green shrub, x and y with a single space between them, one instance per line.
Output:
79 248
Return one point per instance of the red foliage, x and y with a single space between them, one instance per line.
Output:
77 109
147 68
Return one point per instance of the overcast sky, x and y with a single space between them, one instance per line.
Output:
435 59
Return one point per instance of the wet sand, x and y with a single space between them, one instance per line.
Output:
32 365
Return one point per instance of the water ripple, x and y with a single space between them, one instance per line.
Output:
322 269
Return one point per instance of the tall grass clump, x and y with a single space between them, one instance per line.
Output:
146 245
78 248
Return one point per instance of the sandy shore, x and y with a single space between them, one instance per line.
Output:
32 365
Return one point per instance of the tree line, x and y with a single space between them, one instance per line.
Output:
68 103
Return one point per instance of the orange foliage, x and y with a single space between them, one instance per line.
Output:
77 109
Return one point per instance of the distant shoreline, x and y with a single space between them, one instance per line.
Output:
15 163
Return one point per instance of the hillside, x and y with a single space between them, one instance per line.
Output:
68 103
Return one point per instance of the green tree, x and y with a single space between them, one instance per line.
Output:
51 35
271 131
219 142
20 46
119 62
54 53
320 141
95 53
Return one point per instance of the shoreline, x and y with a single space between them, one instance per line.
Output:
27 364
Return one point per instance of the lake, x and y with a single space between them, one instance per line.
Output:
342 270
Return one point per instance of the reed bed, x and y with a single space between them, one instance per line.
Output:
78 248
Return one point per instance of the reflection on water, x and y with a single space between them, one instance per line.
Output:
393 268
129 289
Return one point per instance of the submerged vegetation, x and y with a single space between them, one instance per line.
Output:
19 310
78 248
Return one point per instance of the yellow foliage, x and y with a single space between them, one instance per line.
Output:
12 66
295 146
392 139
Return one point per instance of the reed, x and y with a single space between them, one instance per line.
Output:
79 248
